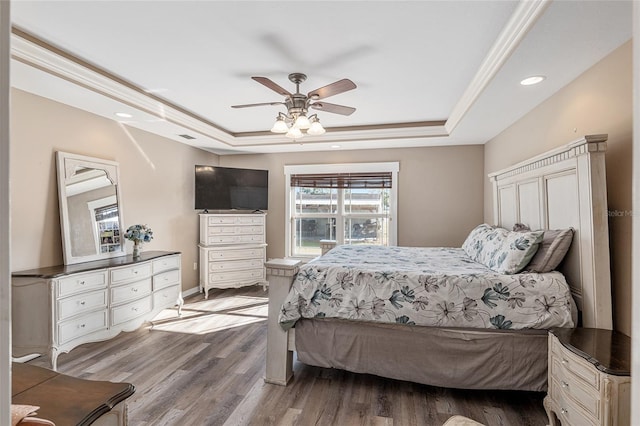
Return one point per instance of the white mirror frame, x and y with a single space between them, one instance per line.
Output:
67 165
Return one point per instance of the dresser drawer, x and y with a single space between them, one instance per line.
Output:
225 254
166 279
130 311
78 283
248 275
235 265
165 264
166 297
130 291
241 219
234 239
254 220
136 272
575 366
81 326
81 303
235 230
574 389
569 412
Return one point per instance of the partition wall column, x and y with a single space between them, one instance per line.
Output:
5 242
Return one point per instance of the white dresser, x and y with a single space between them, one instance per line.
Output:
589 377
57 308
232 250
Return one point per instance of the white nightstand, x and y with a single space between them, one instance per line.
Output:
589 377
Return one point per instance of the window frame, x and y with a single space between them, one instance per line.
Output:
393 167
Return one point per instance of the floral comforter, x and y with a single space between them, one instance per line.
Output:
424 286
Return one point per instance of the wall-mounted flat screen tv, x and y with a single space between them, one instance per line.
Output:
227 188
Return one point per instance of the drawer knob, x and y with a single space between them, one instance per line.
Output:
134 309
81 326
565 384
565 361
564 411
135 290
81 282
135 272
82 302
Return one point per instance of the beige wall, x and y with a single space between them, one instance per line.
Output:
439 198
439 190
156 180
599 101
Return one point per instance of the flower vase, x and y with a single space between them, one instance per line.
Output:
137 249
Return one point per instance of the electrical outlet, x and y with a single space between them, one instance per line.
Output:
195 266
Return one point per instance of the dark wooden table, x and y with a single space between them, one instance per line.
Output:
63 399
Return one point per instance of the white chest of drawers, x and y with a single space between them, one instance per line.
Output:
589 380
58 308
232 250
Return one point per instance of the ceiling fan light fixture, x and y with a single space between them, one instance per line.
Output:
294 133
302 122
316 128
280 126
295 120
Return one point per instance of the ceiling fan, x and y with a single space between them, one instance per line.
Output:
295 120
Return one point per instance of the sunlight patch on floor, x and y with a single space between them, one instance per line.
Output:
212 315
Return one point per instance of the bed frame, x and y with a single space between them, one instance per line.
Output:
565 187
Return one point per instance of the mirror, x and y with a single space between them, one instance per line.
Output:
90 208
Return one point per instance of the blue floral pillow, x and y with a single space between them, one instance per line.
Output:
501 250
474 244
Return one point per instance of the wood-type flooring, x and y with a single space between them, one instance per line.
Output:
207 368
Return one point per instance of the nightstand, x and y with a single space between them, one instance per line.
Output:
589 377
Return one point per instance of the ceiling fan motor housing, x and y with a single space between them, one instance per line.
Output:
296 104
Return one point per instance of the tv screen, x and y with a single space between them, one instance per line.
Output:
226 188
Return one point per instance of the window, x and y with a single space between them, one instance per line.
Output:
349 203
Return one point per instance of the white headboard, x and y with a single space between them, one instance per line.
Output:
563 188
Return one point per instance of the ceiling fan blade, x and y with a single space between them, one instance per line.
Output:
336 109
271 85
332 89
258 104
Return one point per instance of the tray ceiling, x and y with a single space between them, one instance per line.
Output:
428 72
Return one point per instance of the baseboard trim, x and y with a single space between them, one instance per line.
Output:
190 292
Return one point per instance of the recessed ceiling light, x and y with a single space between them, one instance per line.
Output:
335 146
123 115
532 80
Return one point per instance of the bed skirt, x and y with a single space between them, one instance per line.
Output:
446 357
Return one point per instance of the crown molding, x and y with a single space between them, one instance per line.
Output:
519 24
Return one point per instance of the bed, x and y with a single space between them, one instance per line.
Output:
448 319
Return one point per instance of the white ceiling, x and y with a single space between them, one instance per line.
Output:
180 65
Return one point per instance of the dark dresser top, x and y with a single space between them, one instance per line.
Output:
609 351
49 272
63 399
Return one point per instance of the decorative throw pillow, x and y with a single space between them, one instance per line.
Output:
553 248
475 241
501 250
515 251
